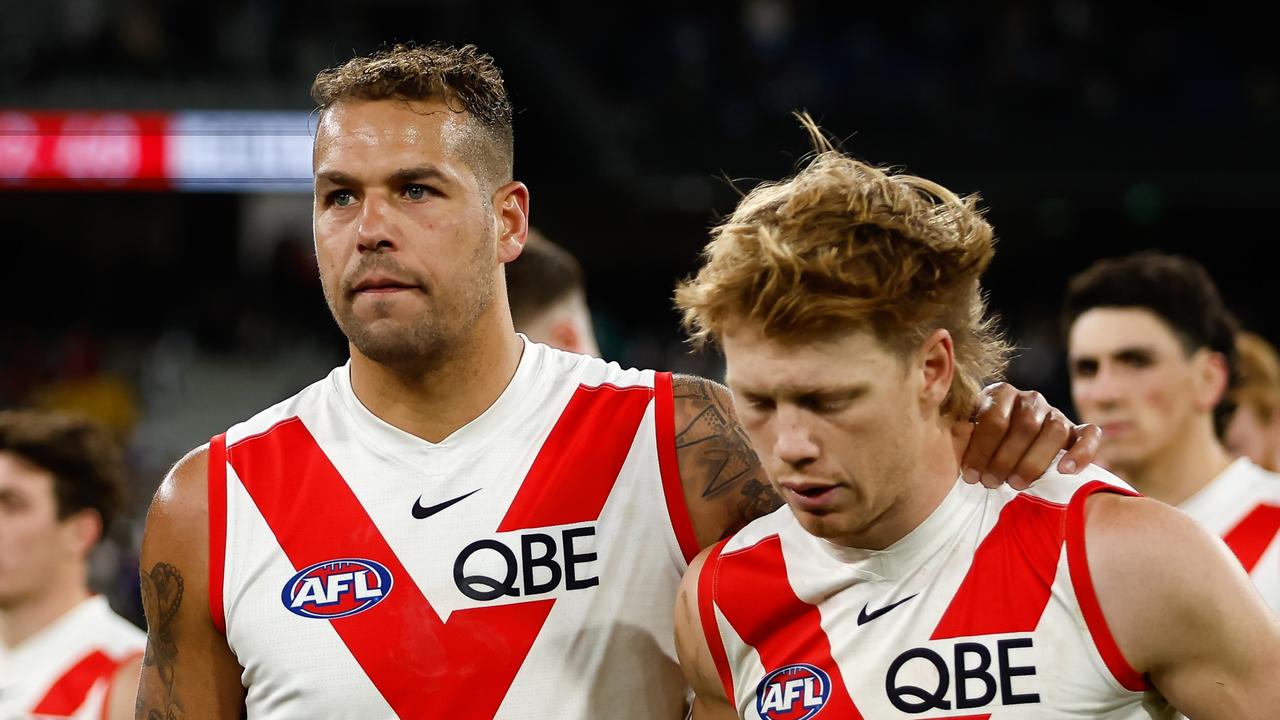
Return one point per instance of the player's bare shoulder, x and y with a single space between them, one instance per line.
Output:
1153 568
178 516
724 483
1133 537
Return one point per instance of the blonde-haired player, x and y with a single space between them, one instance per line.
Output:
847 302
1254 428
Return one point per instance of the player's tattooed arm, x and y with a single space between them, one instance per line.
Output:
188 670
724 484
161 598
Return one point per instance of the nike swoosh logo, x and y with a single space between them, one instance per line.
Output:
422 513
865 617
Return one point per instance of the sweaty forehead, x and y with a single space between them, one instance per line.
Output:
389 132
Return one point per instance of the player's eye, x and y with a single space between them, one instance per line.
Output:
414 191
341 198
1084 368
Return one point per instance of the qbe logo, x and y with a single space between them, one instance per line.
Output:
336 588
794 692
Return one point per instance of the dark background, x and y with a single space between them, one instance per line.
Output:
1091 129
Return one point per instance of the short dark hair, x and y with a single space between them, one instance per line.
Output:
464 78
542 276
1177 289
84 459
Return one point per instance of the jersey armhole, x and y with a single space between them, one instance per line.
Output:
669 466
1082 581
111 681
707 614
217 528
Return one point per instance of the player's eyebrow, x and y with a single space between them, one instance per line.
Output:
417 173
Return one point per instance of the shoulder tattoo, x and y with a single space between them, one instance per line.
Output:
714 450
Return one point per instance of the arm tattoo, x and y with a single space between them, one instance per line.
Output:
758 499
161 598
723 455
713 448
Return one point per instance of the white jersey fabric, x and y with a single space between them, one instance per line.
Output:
985 610
1242 506
65 670
525 567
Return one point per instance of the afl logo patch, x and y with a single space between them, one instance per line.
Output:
794 692
336 588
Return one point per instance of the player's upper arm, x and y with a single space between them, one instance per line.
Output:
724 485
1182 610
710 701
188 669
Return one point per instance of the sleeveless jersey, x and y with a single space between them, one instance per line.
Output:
524 567
65 670
1242 506
985 610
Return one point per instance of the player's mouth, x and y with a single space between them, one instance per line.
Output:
810 497
1116 429
381 285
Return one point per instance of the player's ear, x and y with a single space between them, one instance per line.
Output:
936 364
511 207
82 530
1210 378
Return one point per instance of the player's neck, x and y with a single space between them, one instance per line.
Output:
1272 462
33 614
1186 464
1271 459
434 404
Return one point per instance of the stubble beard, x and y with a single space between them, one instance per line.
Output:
425 341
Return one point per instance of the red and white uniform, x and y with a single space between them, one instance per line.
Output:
1242 506
525 567
65 670
985 610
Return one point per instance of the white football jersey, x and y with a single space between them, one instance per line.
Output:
65 670
985 610
1242 506
525 567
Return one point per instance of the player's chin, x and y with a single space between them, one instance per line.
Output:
405 304
828 524
1123 452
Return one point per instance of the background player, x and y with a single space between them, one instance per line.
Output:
1151 349
63 652
1254 428
548 298
848 307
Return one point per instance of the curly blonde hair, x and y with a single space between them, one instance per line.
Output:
845 246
